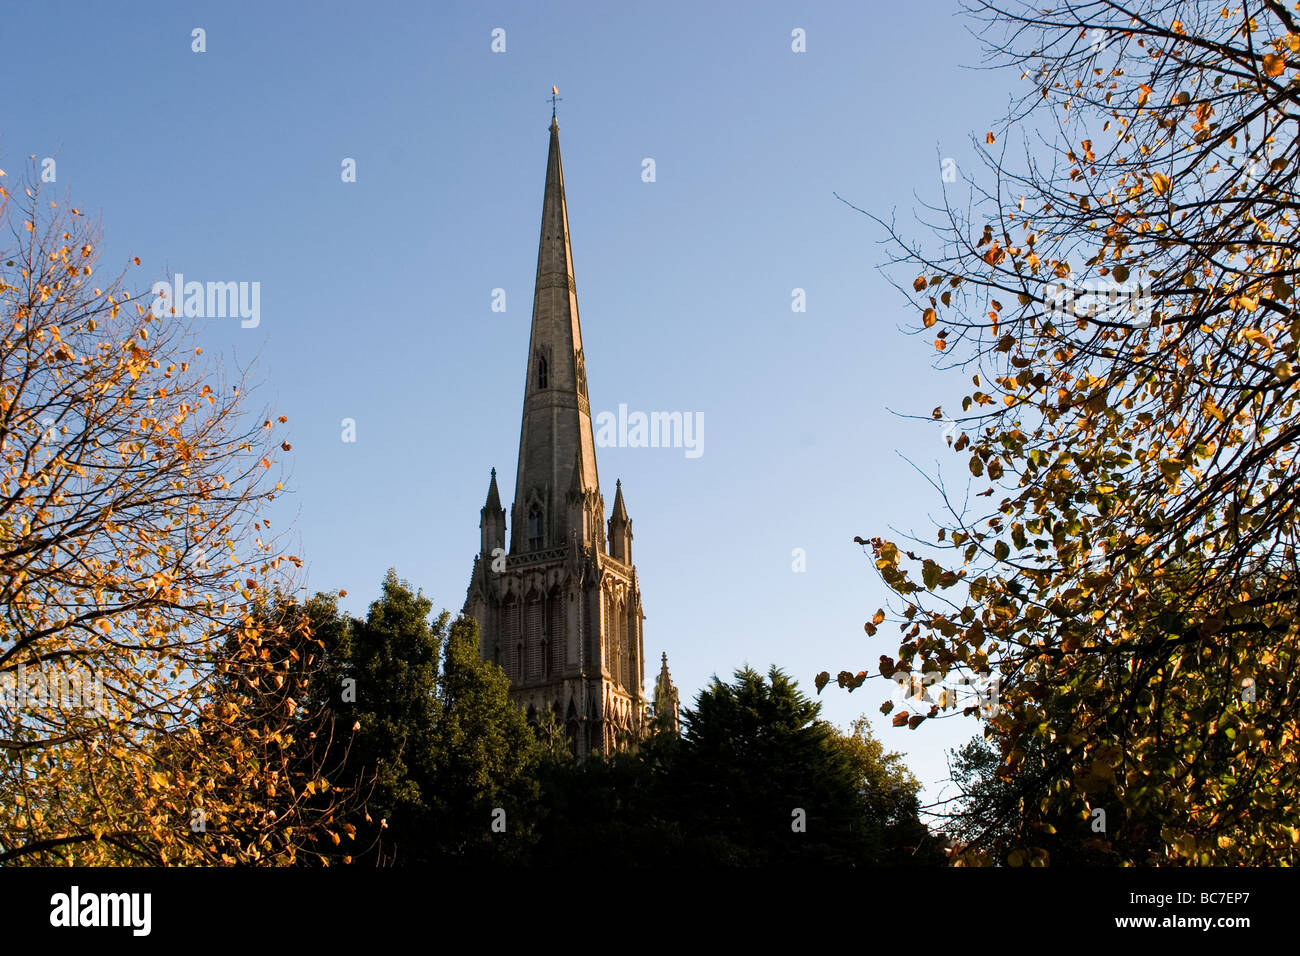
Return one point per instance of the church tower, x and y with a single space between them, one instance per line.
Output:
559 607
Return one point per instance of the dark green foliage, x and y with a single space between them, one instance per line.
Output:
610 811
888 801
754 753
438 744
381 674
484 756
440 751
726 794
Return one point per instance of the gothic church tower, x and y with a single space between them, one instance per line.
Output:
559 608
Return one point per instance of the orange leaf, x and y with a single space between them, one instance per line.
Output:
1274 64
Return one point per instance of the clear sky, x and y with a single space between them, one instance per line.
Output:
376 295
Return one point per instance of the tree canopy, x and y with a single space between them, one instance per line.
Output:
135 557
1119 286
438 746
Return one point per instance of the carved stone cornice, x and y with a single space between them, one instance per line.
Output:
544 556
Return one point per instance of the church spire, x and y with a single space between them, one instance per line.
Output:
557 448
560 609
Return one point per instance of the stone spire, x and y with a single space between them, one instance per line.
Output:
557 448
620 510
559 610
666 702
494 497
620 529
492 521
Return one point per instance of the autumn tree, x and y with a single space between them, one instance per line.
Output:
997 815
1120 288
133 550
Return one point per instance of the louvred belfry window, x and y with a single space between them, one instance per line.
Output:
533 638
510 637
557 629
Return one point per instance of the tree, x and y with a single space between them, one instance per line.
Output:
761 779
439 747
757 779
258 704
133 551
381 676
486 757
1126 300
999 816
618 810
889 799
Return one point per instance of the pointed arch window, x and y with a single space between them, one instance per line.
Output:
541 371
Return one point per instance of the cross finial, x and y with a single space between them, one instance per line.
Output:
554 99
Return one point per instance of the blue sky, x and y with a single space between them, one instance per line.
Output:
376 295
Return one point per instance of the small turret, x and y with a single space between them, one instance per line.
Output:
620 529
492 521
666 703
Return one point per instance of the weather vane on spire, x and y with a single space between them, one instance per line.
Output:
554 99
